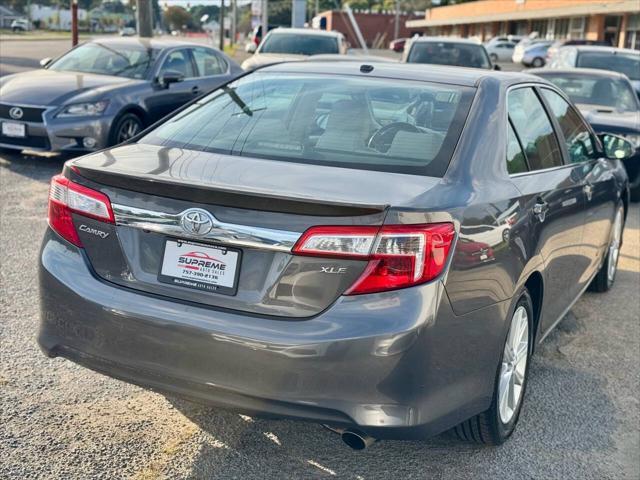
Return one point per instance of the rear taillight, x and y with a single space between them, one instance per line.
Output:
399 255
67 197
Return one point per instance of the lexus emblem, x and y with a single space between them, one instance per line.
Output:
196 221
16 113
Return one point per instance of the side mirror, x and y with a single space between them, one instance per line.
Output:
251 48
616 147
496 67
169 77
45 61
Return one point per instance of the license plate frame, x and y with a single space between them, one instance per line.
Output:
14 129
203 273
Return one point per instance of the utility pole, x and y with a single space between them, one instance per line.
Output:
265 18
74 23
396 25
144 18
222 25
234 20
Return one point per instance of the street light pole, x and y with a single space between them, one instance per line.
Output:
74 23
144 18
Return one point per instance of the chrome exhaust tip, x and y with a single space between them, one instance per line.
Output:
357 440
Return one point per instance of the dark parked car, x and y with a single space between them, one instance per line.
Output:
344 247
447 51
104 92
608 102
621 60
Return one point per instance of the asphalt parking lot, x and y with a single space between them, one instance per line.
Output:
58 420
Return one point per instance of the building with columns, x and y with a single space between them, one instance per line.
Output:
614 21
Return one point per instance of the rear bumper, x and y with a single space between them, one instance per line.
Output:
394 364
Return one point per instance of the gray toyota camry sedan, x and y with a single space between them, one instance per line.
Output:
104 92
378 249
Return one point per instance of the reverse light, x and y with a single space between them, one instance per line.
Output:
399 256
67 197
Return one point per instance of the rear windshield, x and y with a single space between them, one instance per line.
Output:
449 53
365 123
297 44
627 63
586 89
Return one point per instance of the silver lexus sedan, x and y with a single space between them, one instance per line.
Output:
378 248
104 92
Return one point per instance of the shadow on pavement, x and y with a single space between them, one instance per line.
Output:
39 168
555 434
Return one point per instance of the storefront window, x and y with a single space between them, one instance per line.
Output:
632 35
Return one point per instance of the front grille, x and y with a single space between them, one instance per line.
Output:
29 114
26 142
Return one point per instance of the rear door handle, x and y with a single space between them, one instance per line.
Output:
540 210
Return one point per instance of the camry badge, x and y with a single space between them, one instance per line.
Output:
16 113
196 221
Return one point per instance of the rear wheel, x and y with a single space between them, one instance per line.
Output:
605 277
126 127
537 62
495 425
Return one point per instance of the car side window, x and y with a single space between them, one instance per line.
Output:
208 62
178 61
577 136
516 161
534 129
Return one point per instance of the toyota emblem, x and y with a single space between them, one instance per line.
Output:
196 221
16 113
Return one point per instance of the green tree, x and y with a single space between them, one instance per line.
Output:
177 17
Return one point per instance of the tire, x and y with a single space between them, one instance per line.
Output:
606 276
493 57
125 127
537 62
495 425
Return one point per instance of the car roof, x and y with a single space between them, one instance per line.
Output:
594 72
599 48
462 76
306 31
155 43
445 40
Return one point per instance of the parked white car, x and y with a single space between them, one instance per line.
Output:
500 51
21 25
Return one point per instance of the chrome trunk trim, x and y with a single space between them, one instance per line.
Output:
224 233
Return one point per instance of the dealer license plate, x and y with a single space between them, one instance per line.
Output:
205 267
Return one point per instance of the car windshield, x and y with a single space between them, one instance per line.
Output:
371 124
131 61
612 93
299 44
449 53
627 63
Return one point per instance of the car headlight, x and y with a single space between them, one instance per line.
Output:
634 138
90 109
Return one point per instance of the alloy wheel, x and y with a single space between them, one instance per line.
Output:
129 128
614 247
514 365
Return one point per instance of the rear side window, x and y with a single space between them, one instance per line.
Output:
534 129
354 122
208 62
577 137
